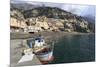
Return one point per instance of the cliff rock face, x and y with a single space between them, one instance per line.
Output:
53 19
17 21
42 22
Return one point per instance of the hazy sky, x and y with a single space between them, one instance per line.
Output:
82 10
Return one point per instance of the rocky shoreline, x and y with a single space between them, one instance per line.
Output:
51 35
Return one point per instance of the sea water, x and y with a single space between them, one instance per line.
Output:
74 48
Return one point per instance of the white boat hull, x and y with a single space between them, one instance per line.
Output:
45 57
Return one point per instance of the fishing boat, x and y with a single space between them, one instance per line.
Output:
43 50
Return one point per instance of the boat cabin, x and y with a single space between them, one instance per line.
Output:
39 42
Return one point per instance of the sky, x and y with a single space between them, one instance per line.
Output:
81 10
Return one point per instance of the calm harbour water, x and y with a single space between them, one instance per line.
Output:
74 48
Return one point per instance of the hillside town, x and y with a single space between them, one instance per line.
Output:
70 22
